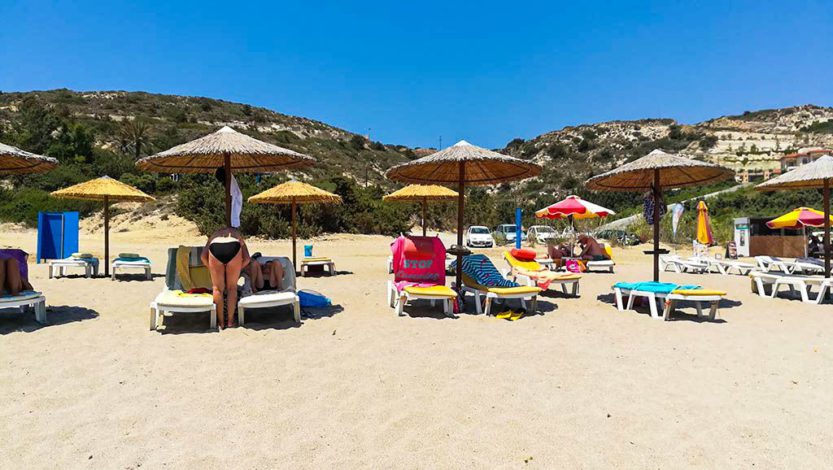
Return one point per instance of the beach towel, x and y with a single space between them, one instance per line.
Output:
21 257
131 259
191 277
418 261
655 287
483 272
87 259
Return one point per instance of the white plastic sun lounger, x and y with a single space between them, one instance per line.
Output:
24 300
726 266
122 265
770 263
680 265
669 300
770 284
60 265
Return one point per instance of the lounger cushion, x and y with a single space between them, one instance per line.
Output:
129 255
317 259
513 290
433 291
698 292
20 296
523 254
266 297
177 298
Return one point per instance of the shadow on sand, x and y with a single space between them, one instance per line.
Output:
13 320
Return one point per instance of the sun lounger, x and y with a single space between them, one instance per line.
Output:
273 298
418 265
482 279
680 265
322 261
771 263
770 284
89 265
668 293
532 273
602 265
726 266
24 300
807 266
130 262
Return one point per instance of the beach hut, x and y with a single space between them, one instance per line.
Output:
14 161
655 172
227 149
814 175
422 193
460 165
105 190
294 193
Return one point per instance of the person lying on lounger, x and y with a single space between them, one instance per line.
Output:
226 256
265 275
591 250
10 279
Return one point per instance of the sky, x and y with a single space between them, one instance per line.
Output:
413 73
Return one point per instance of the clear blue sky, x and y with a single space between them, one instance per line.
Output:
482 71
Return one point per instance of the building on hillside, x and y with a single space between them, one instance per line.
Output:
802 157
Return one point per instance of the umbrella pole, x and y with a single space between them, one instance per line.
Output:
424 203
227 168
461 207
657 194
294 235
826 192
106 236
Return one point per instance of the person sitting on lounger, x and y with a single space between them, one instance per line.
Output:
591 250
11 280
226 256
265 275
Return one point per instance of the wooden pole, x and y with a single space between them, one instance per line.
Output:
227 168
424 203
657 195
826 228
461 210
294 235
106 236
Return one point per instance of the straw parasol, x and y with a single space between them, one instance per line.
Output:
227 149
14 161
463 164
421 193
654 172
107 190
294 193
814 175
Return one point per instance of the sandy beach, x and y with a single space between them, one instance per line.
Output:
580 385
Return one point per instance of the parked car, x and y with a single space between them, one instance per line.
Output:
507 232
541 233
621 236
480 236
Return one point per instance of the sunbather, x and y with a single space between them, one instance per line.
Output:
226 256
10 278
265 275
591 249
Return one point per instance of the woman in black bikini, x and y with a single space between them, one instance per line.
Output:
226 256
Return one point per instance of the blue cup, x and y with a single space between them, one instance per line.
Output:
307 250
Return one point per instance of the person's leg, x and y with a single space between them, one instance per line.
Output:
233 269
256 275
13 282
276 275
218 285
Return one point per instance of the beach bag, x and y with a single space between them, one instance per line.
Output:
313 299
573 266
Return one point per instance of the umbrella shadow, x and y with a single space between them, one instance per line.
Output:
24 321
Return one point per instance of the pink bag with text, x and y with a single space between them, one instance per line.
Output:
418 261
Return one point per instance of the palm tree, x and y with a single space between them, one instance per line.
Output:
134 135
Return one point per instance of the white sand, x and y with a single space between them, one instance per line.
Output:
581 385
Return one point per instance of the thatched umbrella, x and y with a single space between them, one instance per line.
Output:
463 164
14 161
227 149
654 172
421 193
106 190
813 175
294 193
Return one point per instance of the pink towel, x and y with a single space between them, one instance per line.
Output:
419 261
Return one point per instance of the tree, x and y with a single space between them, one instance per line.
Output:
133 135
